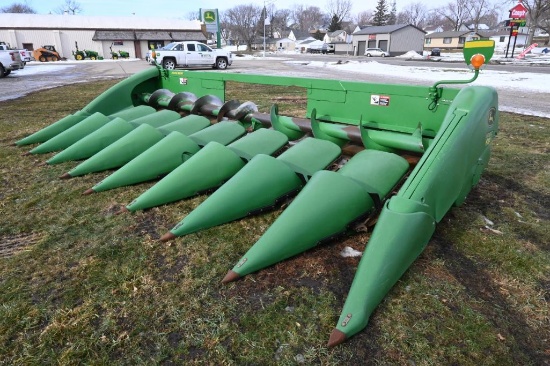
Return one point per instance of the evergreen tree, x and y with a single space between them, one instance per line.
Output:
381 14
318 35
335 24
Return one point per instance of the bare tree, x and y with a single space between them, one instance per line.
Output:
392 17
278 20
241 23
480 10
538 14
339 8
433 18
308 18
363 18
545 24
455 13
18 8
193 15
70 7
414 13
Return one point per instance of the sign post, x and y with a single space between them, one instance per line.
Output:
212 23
517 19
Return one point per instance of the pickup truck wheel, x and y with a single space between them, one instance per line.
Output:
2 72
221 63
169 64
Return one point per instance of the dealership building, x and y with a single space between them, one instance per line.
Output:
133 34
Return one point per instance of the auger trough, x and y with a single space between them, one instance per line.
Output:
404 153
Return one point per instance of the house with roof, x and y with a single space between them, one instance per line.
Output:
338 36
298 36
396 39
471 27
502 39
449 40
433 28
133 34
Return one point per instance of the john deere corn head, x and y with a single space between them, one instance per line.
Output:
404 154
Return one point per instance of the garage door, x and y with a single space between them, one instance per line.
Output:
361 48
372 43
383 45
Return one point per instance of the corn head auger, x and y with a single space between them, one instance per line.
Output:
358 143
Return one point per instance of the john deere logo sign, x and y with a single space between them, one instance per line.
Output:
209 16
210 19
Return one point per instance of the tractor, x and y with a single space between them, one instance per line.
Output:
82 54
120 54
46 53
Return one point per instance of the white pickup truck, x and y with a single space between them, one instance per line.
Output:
190 54
10 60
25 54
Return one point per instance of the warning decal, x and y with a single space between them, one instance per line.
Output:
382 100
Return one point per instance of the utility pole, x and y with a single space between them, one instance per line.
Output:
266 22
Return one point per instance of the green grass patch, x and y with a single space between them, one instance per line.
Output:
79 284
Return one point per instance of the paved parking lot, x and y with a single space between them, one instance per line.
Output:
39 76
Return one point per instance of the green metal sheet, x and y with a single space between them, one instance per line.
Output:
187 125
397 240
72 134
55 128
223 132
166 155
209 168
94 142
260 185
324 208
310 156
119 152
262 141
161 158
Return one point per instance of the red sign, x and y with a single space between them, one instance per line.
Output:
518 12
526 51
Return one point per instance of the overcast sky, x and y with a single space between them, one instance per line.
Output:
180 9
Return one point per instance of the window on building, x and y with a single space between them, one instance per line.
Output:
428 41
118 43
502 39
447 40
155 44
461 40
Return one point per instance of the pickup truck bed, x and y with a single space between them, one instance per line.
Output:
10 60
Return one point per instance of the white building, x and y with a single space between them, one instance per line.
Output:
133 34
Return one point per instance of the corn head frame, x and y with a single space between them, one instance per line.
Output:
404 154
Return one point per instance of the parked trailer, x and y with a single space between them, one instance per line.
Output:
404 153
